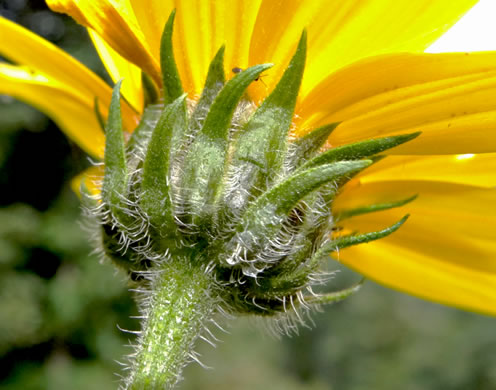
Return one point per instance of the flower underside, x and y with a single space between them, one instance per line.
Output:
220 184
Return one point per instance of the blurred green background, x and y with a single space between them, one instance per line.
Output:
60 307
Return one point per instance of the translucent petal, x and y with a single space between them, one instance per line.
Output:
203 27
444 252
342 32
115 22
472 169
448 97
91 178
74 114
119 68
25 48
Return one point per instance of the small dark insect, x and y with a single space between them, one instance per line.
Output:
237 70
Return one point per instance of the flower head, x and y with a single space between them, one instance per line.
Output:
353 84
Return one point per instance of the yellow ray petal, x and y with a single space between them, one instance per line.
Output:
203 27
151 17
25 48
115 22
91 178
446 96
73 113
119 68
423 257
342 32
460 209
477 170
421 275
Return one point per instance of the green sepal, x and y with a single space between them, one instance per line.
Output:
98 113
373 208
216 126
213 85
261 148
115 180
335 296
173 88
150 92
205 162
266 216
359 149
339 243
141 135
155 198
306 147
356 239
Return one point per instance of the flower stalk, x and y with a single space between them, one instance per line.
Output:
175 310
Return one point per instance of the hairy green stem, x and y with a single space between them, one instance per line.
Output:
181 301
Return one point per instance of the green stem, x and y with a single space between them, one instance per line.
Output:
181 302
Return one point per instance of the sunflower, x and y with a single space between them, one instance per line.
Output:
365 81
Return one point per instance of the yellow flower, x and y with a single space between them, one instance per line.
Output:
446 252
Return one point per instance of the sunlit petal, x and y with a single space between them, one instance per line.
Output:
444 252
25 48
91 179
203 27
72 113
477 170
119 68
448 97
115 22
343 32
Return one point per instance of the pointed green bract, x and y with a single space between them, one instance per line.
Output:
336 296
359 149
219 117
205 162
373 208
356 239
141 135
213 85
149 90
173 88
308 146
155 186
262 220
115 180
261 148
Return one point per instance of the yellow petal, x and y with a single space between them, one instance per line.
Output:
444 252
25 48
473 169
73 113
91 178
448 97
466 210
203 27
342 32
115 22
119 68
